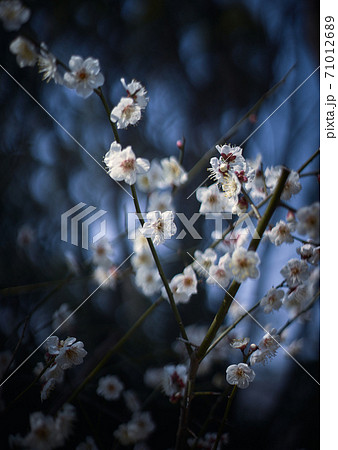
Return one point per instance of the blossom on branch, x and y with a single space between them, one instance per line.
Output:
240 375
159 226
84 75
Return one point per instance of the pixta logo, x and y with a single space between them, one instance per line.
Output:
85 219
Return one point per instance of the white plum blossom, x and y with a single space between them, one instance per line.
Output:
127 112
273 300
68 352
137 429
137 92
229 182
153 377
110 387
292 185
308 221
48 66
25 52
240 375
298 296
267 348
88 444
173 173
102 252
309 253
142 259
123 164
232 158
295 272
148 280
159 226
183 286
106 277
42 435
281 232
242 264
204 260
64 421
148 182
212 200
174 381
84 75
218 275
13 14
240 343
237 238
160 201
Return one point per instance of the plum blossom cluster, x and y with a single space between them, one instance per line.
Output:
60 355
47 432
129 109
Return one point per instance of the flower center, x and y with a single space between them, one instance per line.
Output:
82 75
188 281
128 164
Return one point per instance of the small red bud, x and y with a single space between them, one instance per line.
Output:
290 217
180 144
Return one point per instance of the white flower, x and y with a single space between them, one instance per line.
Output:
292 185
142 259
240 343
102 252
272 300
140 426
140 243
308 221
127 112
70 353
183 286
122 434
89 444
281 232
240 375
309 253
61 315
24 50
174 381
160 201
13 14
110 387
106 278
159 226
173 173
298 296
212 200
219 275
153 377
84 75
54 372
204 261
268 347
237 238
242 264
229 182
148 280
232 158
151 180
42 435
295 272
48 67
123 164
137 92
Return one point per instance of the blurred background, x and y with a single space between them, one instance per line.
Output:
204 65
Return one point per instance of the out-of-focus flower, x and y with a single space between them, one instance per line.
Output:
308 221
292 185
25 52
13 14
204 261
160 201
48 67
61 315
148 279
148 182
106 278
309 253
174 381
240 375
84 75
159 226
212 200
219 275
123 164
272 300
173 173
110 387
